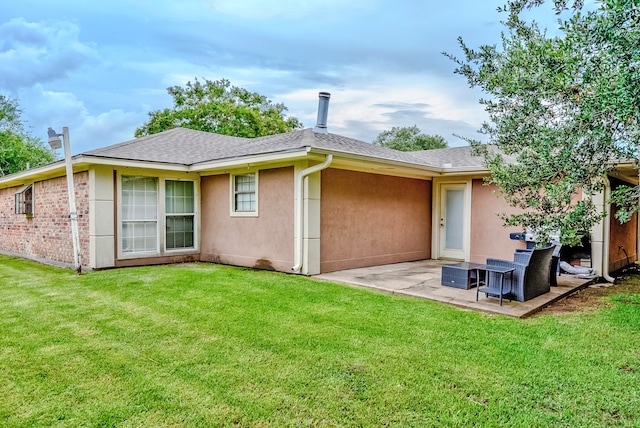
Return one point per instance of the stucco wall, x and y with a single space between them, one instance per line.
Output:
370 219
622 235
265 241
46 235
489 238
102 223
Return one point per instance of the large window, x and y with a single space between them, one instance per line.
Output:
24 200
180 214
144 216
245 193
139 214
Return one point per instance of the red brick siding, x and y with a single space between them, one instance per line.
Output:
46 235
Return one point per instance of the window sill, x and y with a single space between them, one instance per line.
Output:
167 253
244 214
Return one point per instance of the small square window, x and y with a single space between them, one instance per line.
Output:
24 200
245 193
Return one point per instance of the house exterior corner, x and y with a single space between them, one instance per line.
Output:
44 232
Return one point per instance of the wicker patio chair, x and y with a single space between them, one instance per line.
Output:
531 277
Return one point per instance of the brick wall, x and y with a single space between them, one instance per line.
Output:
46 235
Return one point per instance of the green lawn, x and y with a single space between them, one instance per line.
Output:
207 345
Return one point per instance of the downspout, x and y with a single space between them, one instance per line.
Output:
299 211
606 232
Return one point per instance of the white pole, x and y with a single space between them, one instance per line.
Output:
73 215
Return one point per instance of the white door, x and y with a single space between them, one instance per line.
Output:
452 221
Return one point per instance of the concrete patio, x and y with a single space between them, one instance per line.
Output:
423 279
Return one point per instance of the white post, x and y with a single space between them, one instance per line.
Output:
71 190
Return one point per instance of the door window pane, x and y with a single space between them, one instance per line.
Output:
454 210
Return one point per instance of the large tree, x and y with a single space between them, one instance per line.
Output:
216 106
564 107
409 139
18 148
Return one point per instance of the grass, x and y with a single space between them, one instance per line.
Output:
206 345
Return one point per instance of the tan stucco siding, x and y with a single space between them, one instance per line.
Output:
622 238
489 238
370 219
265 241
102 224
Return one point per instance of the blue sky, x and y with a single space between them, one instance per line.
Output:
99 67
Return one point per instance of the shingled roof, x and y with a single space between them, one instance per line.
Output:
450 157
190 147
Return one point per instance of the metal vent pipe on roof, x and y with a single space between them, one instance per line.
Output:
323 112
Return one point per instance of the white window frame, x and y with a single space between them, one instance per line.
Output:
121 221
20 200
232 196
193 214
161 223
437 187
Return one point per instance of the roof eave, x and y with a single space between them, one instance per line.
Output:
423 169
81 163
33 174
250 160
361 161
465 170
130 163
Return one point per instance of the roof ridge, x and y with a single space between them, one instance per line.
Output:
308 137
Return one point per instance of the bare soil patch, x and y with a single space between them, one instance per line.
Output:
594 297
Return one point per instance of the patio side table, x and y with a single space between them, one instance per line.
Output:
498 289
464 275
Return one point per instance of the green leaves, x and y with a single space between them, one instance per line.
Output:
18 149
216 106
409 139
565 110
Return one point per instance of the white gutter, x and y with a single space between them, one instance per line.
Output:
606 232
299 209
220 164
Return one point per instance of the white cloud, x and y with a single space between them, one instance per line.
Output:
87 130
103 67
39 52
107 128
374 107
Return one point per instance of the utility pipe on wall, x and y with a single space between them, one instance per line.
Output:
299 210
606 224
